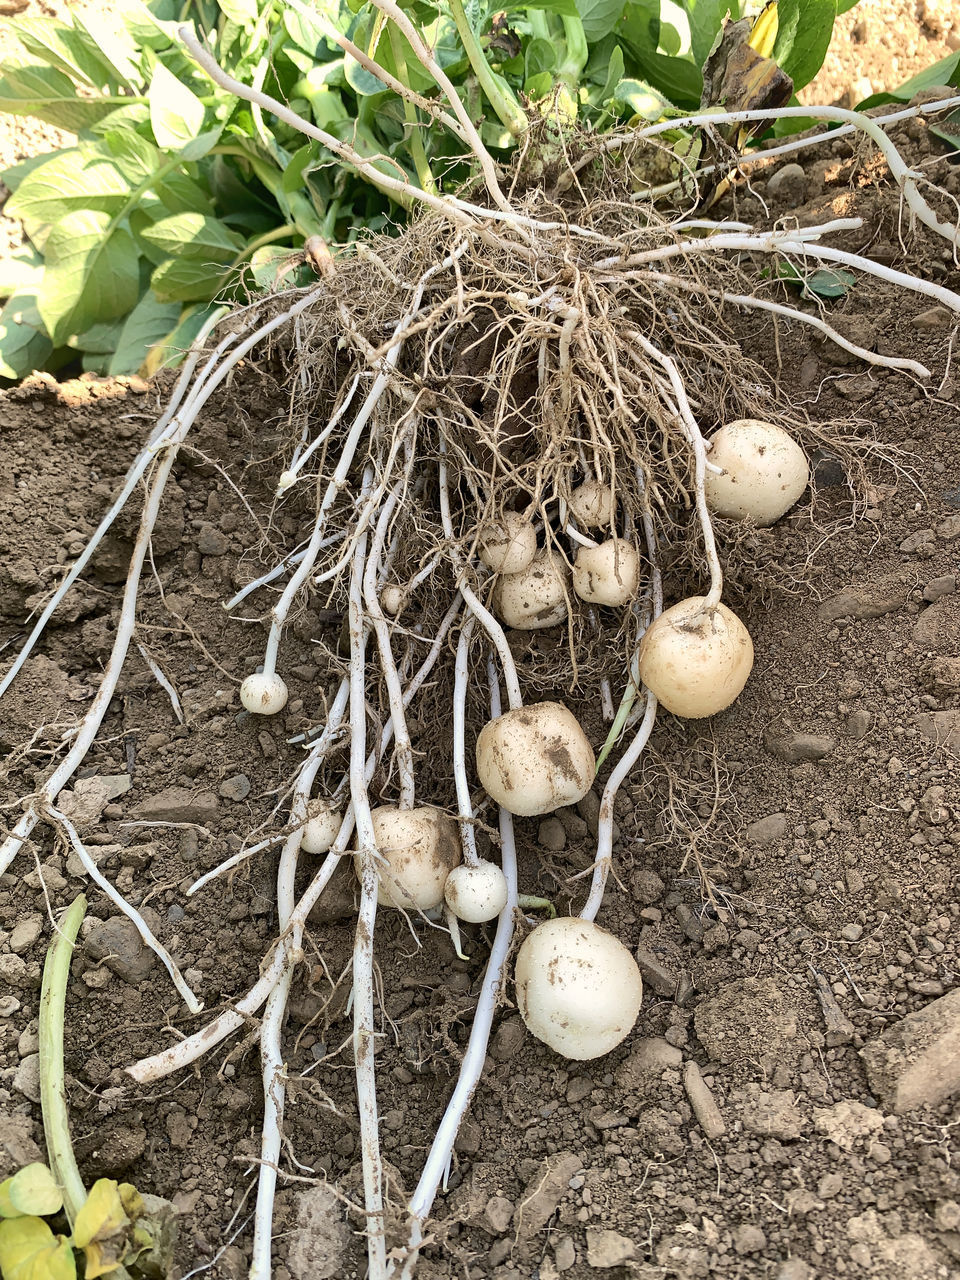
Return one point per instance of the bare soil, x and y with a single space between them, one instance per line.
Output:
787 870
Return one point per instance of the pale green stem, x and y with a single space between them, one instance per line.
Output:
527 903
508 110
268 237
53 1094
571 68
417 151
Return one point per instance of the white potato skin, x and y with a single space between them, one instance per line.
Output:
592 505
607 575
263 695
508 545
320 831
695 662
476 894
535 598
535 759
419 848
578 987
764 471
392 600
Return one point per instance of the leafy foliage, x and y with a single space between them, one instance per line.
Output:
113 1227
176 194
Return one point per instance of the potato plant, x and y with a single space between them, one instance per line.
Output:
526 381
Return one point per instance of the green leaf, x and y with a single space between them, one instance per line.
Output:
24 346
201 145
92 274
599 17
170 351
32 1189
948 129
130 117
179 193
63 47
113 44
136 157
568 8
20 270
16 173
100 339
176 114
185 280
642 99
824 282
803 35
946 71
244 12
676 78
267 264
674 17
305 33
48 94
79 179
191 235
540 56
706 18
148 323
30 1251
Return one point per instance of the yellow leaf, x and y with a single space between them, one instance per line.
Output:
7 1208
102 1214
34 1190
132 1200
101 1259
763 34
30 1251
379 23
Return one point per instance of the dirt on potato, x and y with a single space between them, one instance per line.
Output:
787 1104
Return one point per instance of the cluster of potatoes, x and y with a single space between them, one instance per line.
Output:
578 987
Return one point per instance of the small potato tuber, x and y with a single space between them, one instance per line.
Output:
419 848
535 598
764 471
476 894
578 987
535 759
696 661
508 545
592 505
607 575
263 695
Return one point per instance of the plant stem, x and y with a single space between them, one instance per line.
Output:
53 1094
268 237
417 151
571 68
507 108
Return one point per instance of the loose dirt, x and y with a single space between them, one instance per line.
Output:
787 1104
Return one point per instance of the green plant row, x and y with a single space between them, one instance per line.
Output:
175 193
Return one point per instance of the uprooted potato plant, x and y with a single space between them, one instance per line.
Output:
523 413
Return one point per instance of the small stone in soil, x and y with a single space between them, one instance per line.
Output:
794 747
916 1062
766 830
646 887
544 1192
703 1102
551 834
26 1079
235 788
607 1248
25 933
117 943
